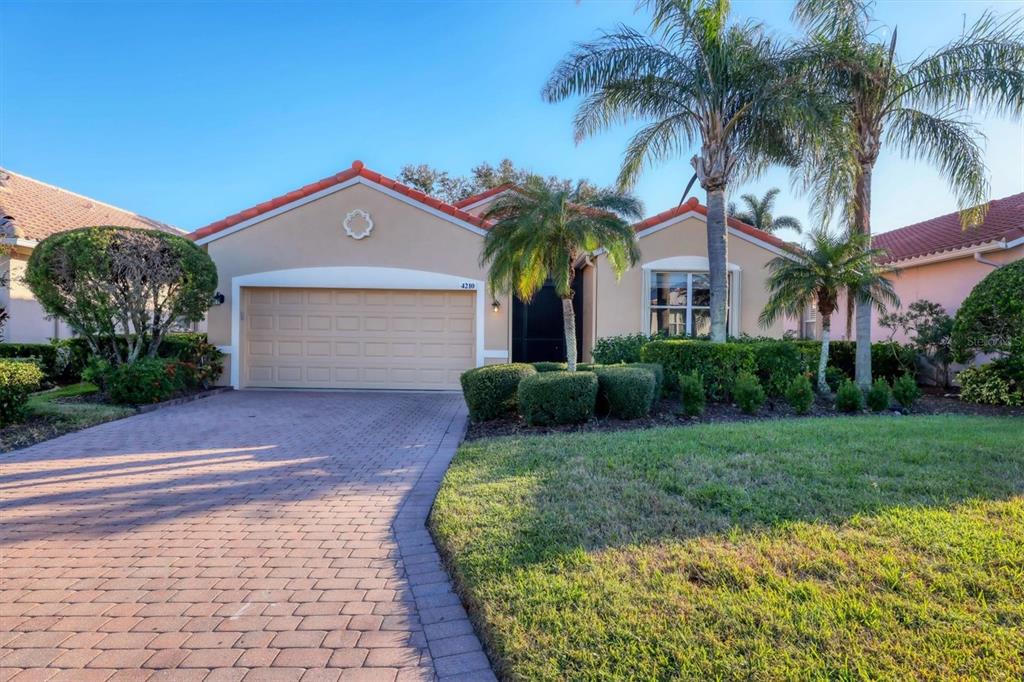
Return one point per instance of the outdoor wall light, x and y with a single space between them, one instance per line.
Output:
218 298
495 305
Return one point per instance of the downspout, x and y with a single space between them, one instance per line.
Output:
985 261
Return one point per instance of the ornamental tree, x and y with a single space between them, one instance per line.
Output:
122 289
991 318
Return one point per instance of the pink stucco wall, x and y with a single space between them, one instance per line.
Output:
946 282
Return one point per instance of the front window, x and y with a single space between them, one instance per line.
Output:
680 303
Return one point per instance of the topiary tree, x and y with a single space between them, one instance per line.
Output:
991 318
120 288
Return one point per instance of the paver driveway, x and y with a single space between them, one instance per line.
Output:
253 535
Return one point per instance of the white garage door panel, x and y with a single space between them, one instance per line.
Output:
357 338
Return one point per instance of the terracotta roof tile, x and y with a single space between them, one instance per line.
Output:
37 210
486 194
1004 221
358 169
692 204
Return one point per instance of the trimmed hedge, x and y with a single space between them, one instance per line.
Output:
889 359
613 350
549 366
551 398
43 354
490 391
18 380
777 363
717 363
625 391
659 377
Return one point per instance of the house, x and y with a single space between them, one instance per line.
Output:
940 261
357 281
30 211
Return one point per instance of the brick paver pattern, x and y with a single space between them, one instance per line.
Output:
253 535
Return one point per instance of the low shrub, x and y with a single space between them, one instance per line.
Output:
879 395
549 366
777 363
149 380
625 391
42 354
490 391
834 378
691 393
613 350
659 377
889 360
748 393
717 363
849 398
192 348
18 380
557 397
800 394
906 391
997 383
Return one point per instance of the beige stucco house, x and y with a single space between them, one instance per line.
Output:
30 211
357 281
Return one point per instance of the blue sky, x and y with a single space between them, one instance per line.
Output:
187 112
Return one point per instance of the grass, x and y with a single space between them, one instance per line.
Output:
827 549
50 415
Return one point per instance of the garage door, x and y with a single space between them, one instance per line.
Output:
357 338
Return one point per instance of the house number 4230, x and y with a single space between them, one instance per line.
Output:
468 285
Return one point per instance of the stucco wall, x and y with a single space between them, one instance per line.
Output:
311 235
620 307
946 282
27 322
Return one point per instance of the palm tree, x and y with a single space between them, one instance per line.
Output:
817 275
699 81
759 213
917 107
541 231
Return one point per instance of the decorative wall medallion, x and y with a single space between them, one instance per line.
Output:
358 224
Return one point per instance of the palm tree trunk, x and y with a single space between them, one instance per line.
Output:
826 330
862 223
718 257
569 323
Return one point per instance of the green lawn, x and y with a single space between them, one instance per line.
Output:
820 549
49 415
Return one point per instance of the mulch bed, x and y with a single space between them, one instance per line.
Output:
666 413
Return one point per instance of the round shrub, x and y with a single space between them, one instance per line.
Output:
747 392
490 391
549 366
991 318
800 394
557 398
625 391
849 398
879 395
659 377
906 391
691 391
992 384
150 380
18 380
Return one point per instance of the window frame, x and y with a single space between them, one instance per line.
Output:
688 307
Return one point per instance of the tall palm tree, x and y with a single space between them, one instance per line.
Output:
541 231
918 108
699 81
829 265
758 212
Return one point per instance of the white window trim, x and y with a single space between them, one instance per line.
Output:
689 264
349 277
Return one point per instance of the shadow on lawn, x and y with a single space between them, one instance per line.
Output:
250 453
597 491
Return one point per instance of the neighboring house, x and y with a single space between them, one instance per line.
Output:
940 261
30 211
357 281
